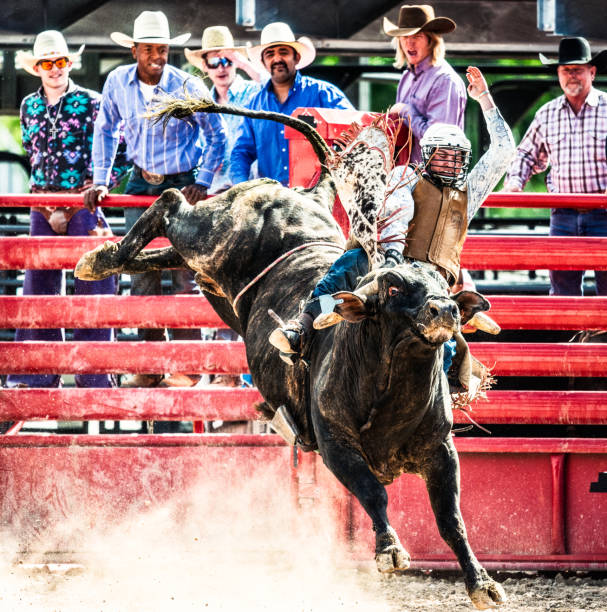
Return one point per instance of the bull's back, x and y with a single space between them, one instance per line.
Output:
284 291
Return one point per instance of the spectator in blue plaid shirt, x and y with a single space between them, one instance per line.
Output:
569 135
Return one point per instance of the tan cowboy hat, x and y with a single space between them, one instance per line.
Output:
214 38
414 18
279 33
150 27
49 44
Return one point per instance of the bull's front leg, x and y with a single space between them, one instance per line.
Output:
352 471
112 257
443 483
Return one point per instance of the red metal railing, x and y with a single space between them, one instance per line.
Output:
495 200
505 359
186 311
563 526
515 252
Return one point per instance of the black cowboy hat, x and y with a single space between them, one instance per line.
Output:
576 51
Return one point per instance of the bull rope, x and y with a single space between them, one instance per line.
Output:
275 263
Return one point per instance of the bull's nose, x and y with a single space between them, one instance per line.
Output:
440 310
437 320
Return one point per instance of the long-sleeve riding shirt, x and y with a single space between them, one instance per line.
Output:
171 150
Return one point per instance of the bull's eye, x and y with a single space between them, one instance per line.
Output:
392 291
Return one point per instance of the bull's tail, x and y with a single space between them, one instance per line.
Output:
181 108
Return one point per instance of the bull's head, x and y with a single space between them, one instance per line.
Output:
409 297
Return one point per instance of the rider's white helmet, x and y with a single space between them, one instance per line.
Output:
449 169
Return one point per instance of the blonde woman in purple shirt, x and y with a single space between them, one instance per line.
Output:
430 91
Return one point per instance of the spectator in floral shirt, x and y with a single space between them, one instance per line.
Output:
57 129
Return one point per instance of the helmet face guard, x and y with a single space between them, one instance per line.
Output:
446 154
448 165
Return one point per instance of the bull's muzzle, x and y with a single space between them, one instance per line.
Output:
438 320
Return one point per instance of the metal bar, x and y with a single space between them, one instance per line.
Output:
534 253
140 440
542 359
52 253
122 357
480 252
505 359
549 312
185 404
94 311
494 200
557 464
75 200
546 446
212 402
186 311
539 407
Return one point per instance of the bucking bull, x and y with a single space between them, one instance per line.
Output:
371 395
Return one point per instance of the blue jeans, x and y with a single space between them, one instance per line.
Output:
51 282
342 276
570 222
149 283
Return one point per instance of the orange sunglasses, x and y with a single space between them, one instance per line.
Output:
60 62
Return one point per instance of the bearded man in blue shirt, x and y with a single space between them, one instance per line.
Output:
163 157
282 56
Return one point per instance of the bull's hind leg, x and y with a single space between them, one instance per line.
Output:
113 257
442 481
351 470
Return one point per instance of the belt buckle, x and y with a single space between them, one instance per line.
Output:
151 177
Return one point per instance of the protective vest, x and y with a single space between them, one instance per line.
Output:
438 228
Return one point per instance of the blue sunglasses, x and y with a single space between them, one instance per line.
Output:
215 62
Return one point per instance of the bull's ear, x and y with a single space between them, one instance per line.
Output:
352 308
469 303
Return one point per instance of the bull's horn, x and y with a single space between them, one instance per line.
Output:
327 319
485 323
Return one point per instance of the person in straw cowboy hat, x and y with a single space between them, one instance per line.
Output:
57 127
219 58
163 156
429 90
283 57
568 134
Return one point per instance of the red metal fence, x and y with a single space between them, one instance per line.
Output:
526 501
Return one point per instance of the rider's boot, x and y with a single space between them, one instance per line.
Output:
290 338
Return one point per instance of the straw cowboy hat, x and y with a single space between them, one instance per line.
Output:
576 51
150 27
279 33
49 44
214 38
414 18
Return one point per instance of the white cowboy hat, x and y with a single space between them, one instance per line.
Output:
150 27
279 33
49 44
214 38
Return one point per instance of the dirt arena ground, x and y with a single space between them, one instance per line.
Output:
75 588
248 550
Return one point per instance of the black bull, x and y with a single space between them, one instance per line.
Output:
374 401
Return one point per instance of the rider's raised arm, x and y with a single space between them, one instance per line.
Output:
493 164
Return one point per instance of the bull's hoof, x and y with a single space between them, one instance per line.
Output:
487 594
390 555
95 264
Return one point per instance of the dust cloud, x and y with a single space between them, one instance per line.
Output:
222 546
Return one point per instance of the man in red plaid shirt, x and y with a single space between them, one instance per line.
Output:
569 135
